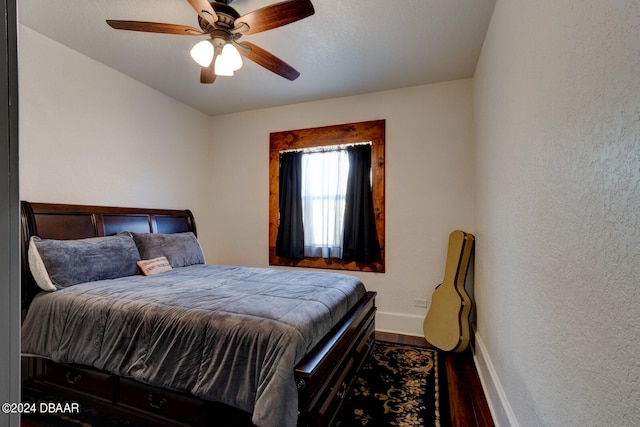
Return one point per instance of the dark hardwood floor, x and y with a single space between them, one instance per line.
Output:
467 401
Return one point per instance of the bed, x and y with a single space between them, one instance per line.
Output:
196 344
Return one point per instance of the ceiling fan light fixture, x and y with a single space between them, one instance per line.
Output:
234 58
228 61
202 53
225 26
221 69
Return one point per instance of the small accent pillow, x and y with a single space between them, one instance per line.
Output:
180 249
38 270
56 264
154 266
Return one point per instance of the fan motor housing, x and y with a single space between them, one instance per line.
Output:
226 18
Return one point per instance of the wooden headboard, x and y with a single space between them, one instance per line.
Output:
65 222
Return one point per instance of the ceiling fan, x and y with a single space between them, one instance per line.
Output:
220 54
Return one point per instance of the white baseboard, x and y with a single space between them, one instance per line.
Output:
399 323
499 406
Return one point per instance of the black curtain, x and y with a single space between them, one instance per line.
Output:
290 240
360 238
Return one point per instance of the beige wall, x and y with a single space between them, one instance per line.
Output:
557 102
428 185
91 135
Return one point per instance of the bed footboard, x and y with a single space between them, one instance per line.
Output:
325 376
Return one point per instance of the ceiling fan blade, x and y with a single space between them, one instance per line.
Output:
274 16
204 10
267 60
207 75
155 27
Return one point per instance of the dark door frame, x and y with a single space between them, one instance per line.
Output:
9 217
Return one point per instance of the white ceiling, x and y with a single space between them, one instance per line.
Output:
347 47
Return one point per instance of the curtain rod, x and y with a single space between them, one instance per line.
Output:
325 148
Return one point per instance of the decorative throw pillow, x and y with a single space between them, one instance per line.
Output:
37 268
56 264
181 249
154 266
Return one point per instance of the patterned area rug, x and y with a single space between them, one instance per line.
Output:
399 385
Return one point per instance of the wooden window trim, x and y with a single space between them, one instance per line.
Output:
349 133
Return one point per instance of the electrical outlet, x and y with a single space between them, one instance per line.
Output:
420 302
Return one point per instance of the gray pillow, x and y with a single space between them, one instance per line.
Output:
56 264
181 249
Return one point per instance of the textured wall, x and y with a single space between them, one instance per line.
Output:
557 104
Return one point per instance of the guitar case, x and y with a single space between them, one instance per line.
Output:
446 325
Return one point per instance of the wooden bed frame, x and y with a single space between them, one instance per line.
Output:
323 377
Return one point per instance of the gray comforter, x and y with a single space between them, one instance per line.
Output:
222 333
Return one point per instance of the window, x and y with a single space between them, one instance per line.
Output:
320 156
324 189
